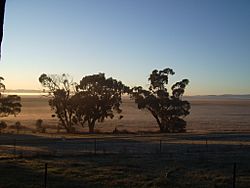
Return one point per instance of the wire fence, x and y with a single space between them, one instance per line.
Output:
203 149
117 145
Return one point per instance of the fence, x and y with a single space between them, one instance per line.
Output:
203 149
116 145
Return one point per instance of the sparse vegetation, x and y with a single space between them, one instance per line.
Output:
98 97
125 159
94 99
98 132
181 164
168 110
17 126
39 126
60 88
9 105
3 125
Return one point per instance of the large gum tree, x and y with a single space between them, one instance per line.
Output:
94 99
99 98
168 108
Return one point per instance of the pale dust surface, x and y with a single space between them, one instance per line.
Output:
207 115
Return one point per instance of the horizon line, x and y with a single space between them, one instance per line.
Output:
36 91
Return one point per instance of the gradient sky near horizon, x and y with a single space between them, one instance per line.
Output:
206 41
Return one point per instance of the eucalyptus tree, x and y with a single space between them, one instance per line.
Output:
93 99
10 104
98 98
167 108
60 89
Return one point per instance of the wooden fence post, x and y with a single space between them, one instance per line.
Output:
95 146
206 145
160 146
45 174
234 175
14 148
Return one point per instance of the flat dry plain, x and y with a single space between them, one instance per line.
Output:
207 115
217 137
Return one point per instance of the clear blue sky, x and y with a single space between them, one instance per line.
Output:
206 41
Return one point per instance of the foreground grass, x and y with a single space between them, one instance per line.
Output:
128 161
122 170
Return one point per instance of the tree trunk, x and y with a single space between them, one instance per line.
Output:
157 120
65 125
68 130
91 127
161 129
91 124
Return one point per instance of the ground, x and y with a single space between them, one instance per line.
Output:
217 138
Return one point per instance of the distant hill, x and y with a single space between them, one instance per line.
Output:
195 97
226 96
22 91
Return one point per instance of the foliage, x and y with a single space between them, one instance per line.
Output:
3 125
60 93
168 110
94 99
10 104
98 98
2 86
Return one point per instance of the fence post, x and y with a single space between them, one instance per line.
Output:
206 145
95 146
45 174
234 175
14 148
160 146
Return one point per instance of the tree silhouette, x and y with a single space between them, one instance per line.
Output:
98 98
168 110
94 99
10 104
2 86
61 90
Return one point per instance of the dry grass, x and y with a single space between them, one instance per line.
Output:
206 116
218 135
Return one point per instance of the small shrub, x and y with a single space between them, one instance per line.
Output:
3 125
39 126
123 131
72 130
177 125
97 131
17 126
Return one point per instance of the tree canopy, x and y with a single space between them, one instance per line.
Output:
100 97
167 108
60 88
93 99
10 104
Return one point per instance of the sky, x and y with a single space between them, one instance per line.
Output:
205 41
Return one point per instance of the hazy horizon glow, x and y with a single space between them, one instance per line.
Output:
207 42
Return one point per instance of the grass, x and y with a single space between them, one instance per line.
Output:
130 160
178 168
99 171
